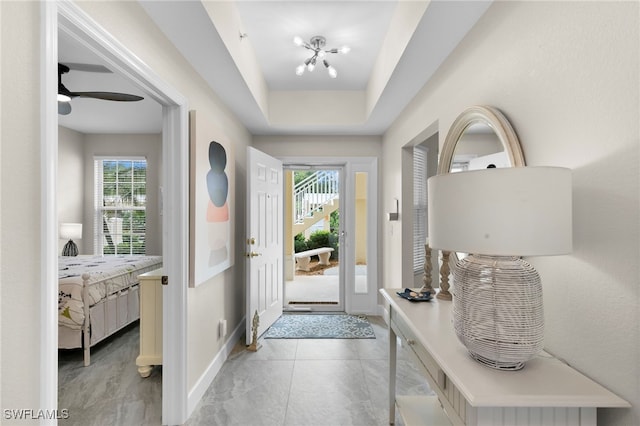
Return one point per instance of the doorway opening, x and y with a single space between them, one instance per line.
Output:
353 232
69 18
313 228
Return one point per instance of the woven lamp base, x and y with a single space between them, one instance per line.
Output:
497 310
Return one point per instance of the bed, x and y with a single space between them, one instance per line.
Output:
97 296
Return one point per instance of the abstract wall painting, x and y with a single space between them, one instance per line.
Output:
211 201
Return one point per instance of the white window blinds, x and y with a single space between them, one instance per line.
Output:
419 207
120 205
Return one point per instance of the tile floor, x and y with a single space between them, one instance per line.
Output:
287 382
308 382
109 391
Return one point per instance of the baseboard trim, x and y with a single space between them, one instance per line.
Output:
201 386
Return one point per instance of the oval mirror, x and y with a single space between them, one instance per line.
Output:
481 137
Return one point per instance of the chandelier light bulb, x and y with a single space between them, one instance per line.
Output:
331 70
322 54
311 66
300 69
297 40
344 50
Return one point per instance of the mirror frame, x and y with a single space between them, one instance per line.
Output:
493 118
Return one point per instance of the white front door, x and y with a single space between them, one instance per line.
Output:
264 247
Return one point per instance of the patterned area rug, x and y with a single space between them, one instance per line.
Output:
320 326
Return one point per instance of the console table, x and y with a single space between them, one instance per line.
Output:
546 391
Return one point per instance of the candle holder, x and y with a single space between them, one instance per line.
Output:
444 293
426 278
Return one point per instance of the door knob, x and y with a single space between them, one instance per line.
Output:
253 254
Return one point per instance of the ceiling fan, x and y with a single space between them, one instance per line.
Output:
65 95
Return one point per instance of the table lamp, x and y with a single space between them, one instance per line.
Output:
497 215
70 231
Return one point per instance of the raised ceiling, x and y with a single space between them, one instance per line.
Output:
395 48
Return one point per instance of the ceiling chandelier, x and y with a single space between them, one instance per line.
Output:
316 45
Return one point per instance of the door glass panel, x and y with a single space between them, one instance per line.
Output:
361 282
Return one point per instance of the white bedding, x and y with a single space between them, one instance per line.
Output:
108 275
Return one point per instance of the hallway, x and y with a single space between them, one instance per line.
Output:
293 382
308 382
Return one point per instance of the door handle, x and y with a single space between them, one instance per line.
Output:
253 254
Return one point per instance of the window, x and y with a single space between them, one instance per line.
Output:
120 205
419 207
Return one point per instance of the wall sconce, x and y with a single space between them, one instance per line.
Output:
70 231
395 215
498 215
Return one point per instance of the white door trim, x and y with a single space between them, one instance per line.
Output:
68 17
341 167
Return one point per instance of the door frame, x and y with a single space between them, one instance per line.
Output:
68 17
429 139
341 168
355 303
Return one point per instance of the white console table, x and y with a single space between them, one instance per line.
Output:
150 322
546 391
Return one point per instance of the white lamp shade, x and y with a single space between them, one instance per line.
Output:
70 231
517 211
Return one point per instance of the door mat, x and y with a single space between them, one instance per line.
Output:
320 326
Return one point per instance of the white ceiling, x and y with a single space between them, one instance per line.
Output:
99 116
269 27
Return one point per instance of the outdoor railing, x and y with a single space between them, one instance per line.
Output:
314 192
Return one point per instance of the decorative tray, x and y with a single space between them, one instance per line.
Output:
414 296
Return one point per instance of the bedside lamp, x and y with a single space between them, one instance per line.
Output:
498 215
70 231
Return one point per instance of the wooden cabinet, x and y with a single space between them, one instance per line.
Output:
545 391
150 322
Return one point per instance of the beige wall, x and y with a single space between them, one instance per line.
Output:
566 75
71 183
20 204
319 146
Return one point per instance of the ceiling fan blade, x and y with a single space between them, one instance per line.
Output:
108 96
64 108
87 67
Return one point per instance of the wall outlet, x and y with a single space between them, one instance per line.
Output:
222 327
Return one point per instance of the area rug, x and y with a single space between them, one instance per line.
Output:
320 326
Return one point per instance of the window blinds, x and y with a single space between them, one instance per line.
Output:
120 205
419 207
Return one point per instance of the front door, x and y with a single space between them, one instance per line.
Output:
264 243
